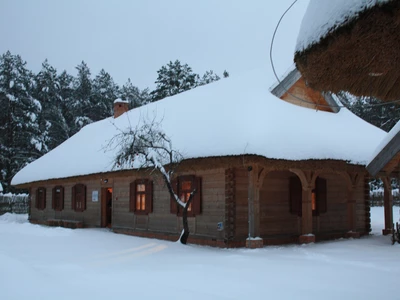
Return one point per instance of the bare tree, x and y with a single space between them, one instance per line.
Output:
148 147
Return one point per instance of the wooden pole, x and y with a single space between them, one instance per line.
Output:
306 222
251 202
388 204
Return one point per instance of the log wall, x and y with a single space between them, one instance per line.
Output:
160 220
276 218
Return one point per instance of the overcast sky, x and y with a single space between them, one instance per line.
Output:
134 38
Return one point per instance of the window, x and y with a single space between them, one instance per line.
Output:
41 198
141 197
183 186
318 196
79 197
58 198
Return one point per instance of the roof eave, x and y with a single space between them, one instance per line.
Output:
380 161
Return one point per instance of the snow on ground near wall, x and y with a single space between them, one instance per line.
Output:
324 15
40 262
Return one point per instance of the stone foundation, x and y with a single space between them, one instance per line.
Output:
387 231
254 243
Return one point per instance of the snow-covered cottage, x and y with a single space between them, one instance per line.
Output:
268 171
351 45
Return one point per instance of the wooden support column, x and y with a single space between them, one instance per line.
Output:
307 217
307 179
254 240
388 204
352 182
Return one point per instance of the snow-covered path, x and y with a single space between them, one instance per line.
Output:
55 263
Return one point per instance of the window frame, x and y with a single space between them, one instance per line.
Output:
148 196
196 204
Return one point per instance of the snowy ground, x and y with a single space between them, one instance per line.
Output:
39 262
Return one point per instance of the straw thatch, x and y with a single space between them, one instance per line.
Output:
361 57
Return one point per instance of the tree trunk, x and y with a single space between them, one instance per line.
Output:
185 234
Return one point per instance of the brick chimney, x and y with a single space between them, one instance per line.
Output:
120 107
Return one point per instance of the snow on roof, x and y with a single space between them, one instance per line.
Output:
119 100
233 116
323 16
386 140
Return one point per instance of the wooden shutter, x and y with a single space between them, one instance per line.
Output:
61 203
321 194
83 197
196 202
173 203
149 196
44 198
53 199
295 195
41 198
132 197
73 198
37 199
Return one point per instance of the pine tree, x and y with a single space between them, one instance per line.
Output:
104 92
134 95
67 102
52 124
174 78
371 110
19 131
208 77
81 104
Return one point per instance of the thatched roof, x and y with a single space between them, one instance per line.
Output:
360 55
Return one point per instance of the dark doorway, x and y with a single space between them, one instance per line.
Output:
106 207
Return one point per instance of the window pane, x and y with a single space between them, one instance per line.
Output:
140 187
143 202
140 202
314 201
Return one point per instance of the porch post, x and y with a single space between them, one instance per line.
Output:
306 218
351 214
254 240
388 204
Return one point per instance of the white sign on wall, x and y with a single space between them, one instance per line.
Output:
95 196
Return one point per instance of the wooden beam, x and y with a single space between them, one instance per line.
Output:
384 157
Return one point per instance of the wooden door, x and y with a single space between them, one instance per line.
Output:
106 207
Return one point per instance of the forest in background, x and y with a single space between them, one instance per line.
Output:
40 111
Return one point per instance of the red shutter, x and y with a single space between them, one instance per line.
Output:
53 199
173 203
295 195
321 194
149 196
196 202
132 197
73 198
